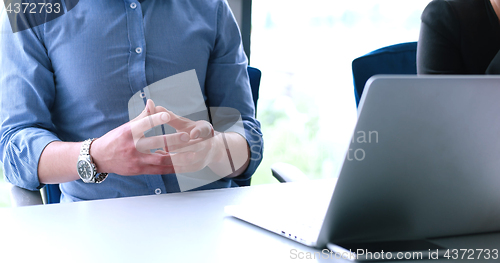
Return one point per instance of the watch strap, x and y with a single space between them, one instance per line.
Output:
100 177
85 150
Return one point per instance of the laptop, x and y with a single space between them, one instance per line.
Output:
423 163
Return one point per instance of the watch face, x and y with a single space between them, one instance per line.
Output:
84 169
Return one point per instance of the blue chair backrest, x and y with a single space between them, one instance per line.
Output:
254 76
395 59
53 192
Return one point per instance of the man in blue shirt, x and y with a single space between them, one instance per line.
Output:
68 80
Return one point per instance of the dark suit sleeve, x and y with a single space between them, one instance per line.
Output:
494 66
438 49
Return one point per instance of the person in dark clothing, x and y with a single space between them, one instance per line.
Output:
460 37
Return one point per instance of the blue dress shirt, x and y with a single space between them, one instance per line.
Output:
70 79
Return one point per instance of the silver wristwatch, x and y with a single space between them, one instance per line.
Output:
86 167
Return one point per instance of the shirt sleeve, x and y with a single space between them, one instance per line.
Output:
27 92
227 83
438 50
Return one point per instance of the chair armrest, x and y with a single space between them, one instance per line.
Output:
286 173
22 197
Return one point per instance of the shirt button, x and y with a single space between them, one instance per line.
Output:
138 50
157 191
133 5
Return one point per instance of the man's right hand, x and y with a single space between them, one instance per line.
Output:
126 151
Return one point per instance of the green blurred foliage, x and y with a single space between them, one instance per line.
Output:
289 142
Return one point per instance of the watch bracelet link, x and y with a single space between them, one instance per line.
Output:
100 177
85 150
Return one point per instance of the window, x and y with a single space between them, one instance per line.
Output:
305 49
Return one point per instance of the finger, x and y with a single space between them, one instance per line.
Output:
163 141
202 129
177 122
148 110
191 146
167 163
150 107
168 159
163 163
139 126
197 147
161 109
180 123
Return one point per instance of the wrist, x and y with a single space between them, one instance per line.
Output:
98 156
57 161
219 148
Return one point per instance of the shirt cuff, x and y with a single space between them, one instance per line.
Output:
22 156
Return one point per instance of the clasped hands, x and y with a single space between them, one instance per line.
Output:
126 151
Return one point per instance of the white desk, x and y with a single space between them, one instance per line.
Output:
184 227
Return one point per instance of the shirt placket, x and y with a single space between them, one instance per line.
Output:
137 71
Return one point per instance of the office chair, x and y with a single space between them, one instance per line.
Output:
50 194
394 59
254 76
